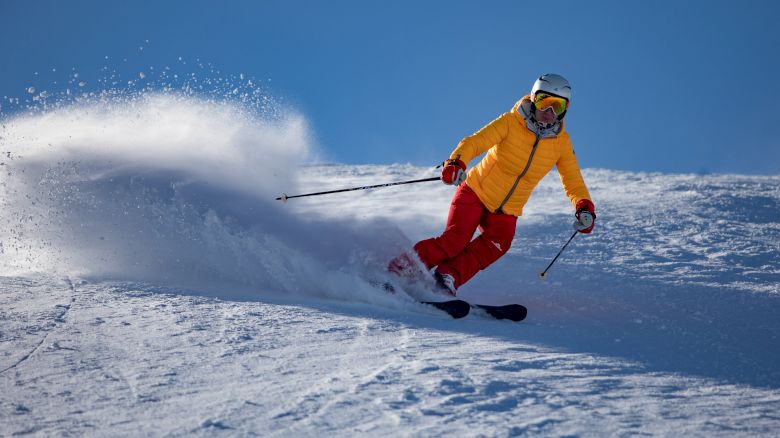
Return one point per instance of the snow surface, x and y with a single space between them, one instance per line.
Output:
150 285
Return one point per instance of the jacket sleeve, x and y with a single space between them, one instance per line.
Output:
482 140
570 174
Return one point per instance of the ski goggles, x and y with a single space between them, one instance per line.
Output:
544 101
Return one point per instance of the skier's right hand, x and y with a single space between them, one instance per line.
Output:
453 172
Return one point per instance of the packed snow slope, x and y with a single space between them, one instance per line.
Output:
151 285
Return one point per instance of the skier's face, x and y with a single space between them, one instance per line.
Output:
547 116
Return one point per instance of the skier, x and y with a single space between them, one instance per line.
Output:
522 146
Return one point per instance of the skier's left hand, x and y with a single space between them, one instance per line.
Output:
586 216
453 172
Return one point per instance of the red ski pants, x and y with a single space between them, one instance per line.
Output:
454 252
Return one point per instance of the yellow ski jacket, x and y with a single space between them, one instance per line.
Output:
518 157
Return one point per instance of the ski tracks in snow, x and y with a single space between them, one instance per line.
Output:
368 351
51 320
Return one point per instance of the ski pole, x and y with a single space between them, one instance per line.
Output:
543 275
284 197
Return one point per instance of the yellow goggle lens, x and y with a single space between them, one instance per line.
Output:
544 101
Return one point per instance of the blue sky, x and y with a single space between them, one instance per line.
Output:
672 86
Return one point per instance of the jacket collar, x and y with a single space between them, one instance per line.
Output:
522 110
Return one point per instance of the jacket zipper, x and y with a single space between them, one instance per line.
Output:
517 181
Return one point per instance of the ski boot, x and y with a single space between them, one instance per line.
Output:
445 283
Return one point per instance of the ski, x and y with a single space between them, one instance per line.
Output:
460 309
512 312
455 308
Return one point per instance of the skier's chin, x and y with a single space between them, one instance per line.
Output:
545 120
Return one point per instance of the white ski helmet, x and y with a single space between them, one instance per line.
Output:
553 84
